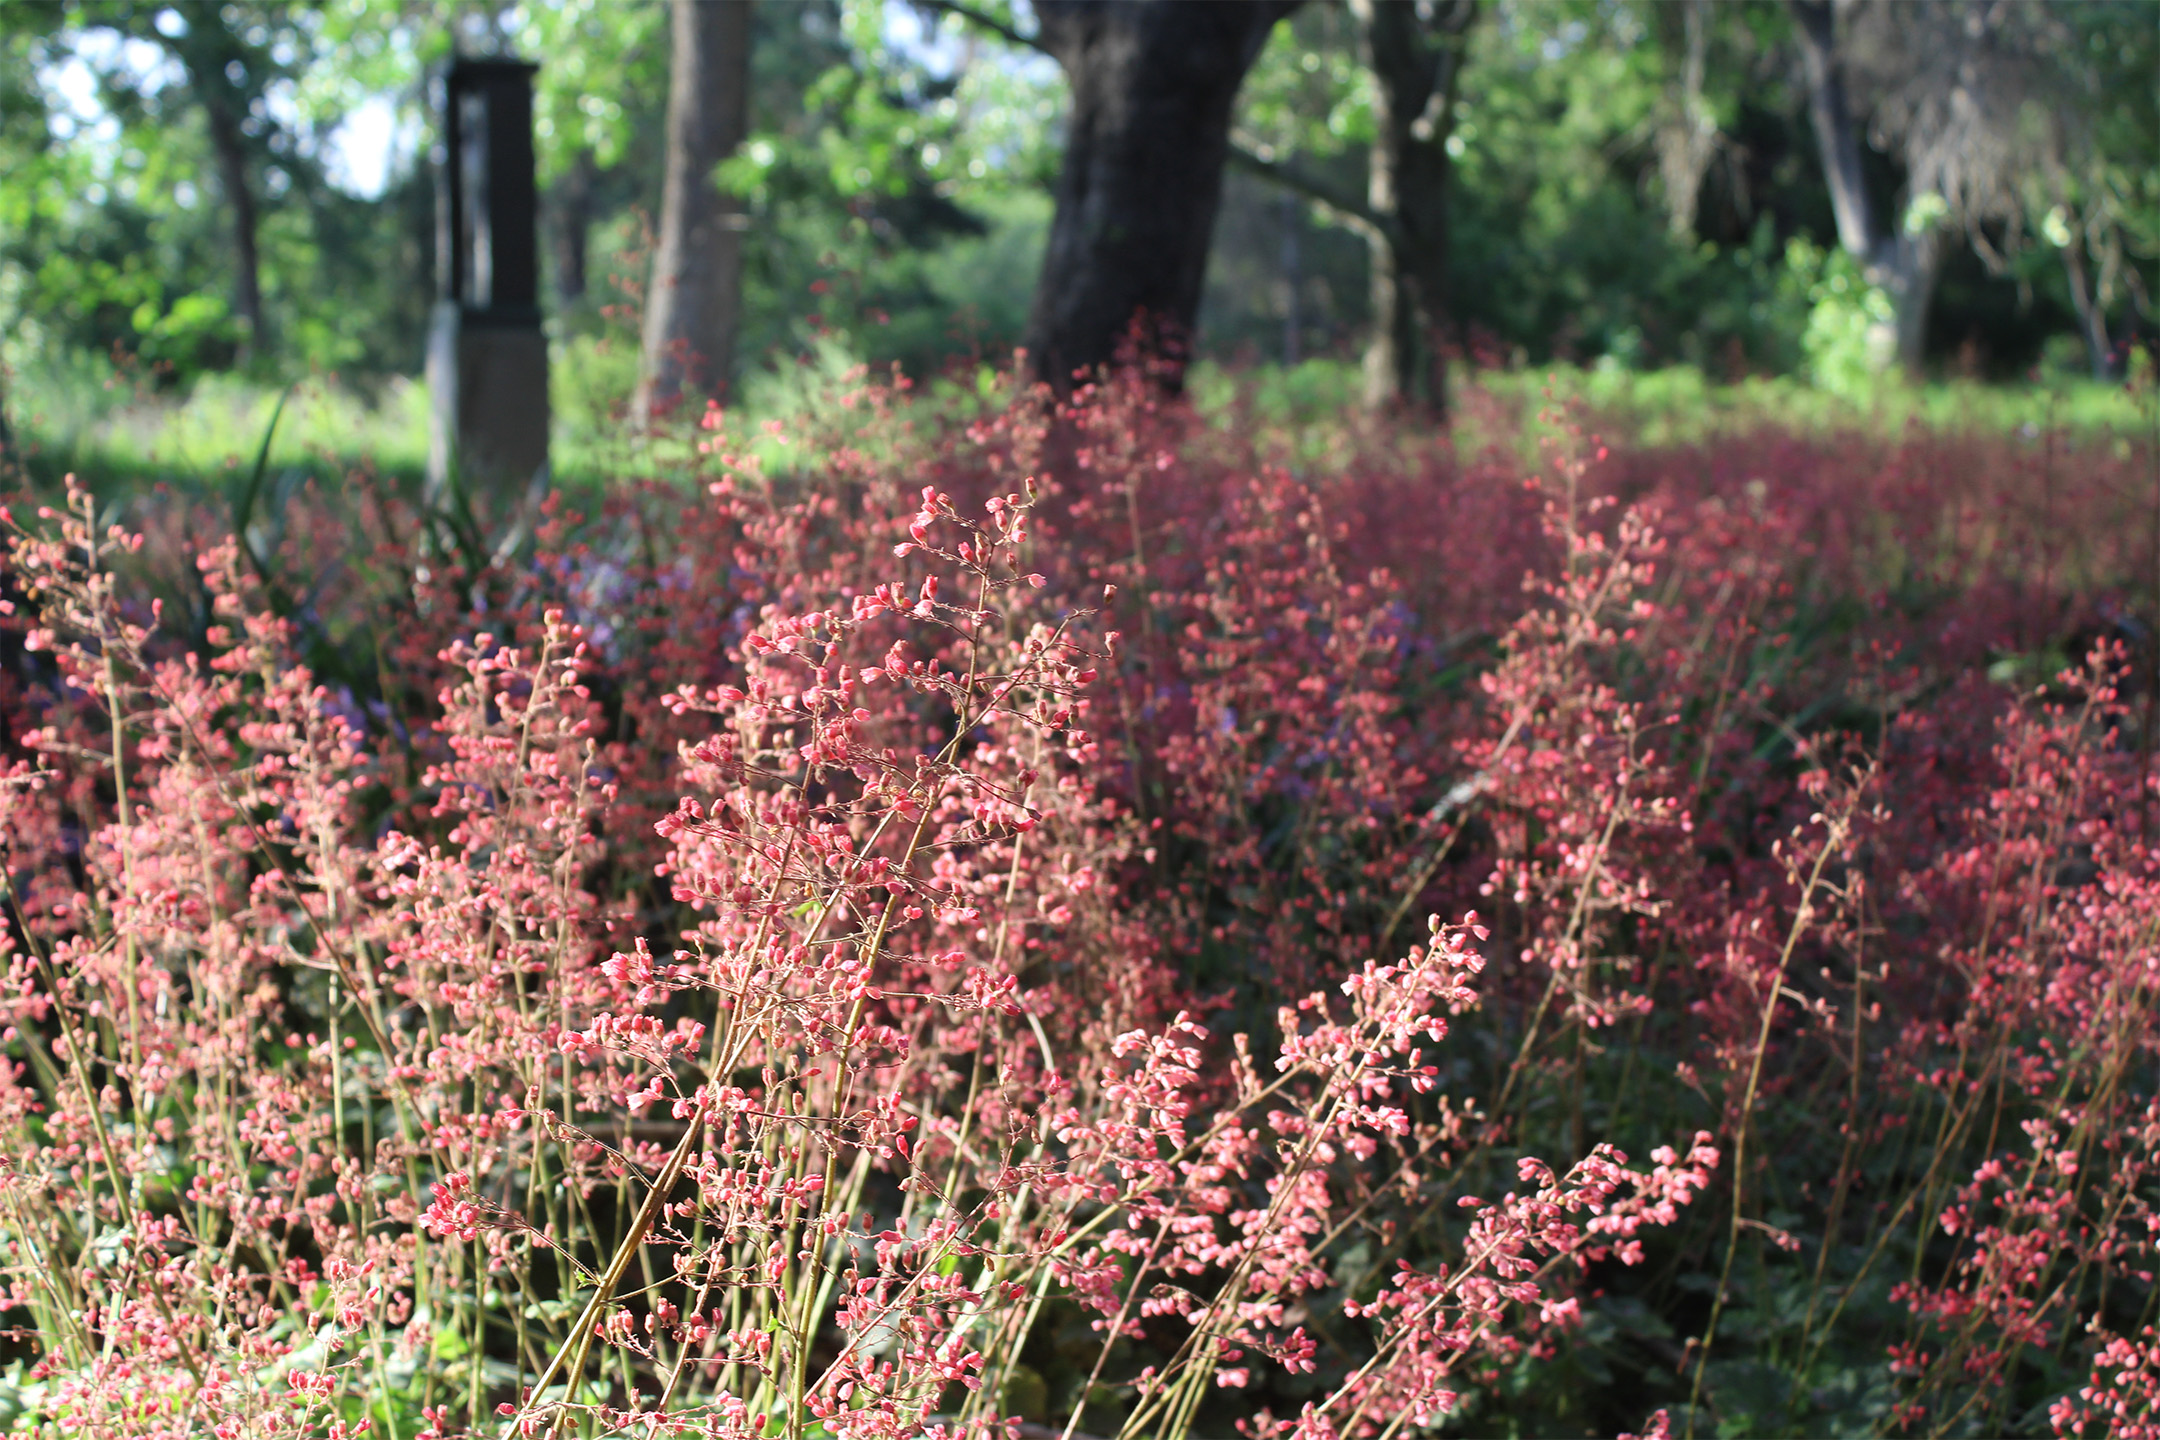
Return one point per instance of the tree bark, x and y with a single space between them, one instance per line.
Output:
1153 82
1414 52
1293 271
205 50
1836 137
693 305
2091 315
1904 263
231 149
570 218
1688 137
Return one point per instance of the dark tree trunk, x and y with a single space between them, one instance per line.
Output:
2091 315
1293 269
1904 264
693 305
232 163
1414 52
207 51
1153 82
570 218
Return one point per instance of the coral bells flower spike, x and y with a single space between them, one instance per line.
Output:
452 1212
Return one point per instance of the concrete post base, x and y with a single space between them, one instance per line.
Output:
488 430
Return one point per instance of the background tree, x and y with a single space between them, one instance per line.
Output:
1152 85
2065 148
1688 134
118 242
599 115
1966 98
898 185
902 180
234 58
228 76
1135 214
2097 193
1414 49
27 150
1900 258
225 54
693 304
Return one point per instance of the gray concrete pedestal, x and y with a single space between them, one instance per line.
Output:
488 427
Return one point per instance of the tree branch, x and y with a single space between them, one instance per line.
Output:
991 23
1339 208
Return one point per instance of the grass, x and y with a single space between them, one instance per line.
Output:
80 415
1680 404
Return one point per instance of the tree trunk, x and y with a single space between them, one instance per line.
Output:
1153 82
1910 266
693 305
2091 315
1836 137
570 217
206 50
1293 270
1904 263
1415 55
231 150
1689 136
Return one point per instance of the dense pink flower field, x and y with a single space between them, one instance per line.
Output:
1047 922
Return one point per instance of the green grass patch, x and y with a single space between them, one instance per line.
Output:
79 414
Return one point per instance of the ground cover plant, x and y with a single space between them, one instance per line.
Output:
1087 919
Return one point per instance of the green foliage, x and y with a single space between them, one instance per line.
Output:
80 413
1563 250
1849 341
1310 410
897 181
602 86
1307 95
116 232
1564 247
895 204
1561 247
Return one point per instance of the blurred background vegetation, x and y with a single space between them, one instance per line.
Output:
1636 204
